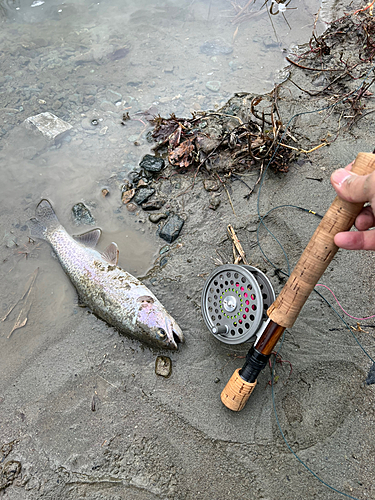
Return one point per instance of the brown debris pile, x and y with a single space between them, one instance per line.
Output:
338 60
245 134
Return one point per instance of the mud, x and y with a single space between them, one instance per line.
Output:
82 406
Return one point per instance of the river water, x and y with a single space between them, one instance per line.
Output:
85 61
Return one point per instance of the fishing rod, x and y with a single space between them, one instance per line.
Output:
284 311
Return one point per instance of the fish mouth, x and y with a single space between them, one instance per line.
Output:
174 334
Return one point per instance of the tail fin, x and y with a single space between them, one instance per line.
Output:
44 222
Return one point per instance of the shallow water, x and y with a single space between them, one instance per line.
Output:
84 60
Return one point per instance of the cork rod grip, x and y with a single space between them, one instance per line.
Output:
318 253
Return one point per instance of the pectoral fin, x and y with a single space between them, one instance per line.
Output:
111 254
89 239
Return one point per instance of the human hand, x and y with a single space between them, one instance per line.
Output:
356 189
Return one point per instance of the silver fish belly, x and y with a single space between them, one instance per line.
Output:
113 294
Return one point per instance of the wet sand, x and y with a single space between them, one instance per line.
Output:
88 416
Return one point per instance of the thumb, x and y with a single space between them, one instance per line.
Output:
352 187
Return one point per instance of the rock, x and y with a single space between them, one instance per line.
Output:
108 106
165 249
88 124
10 240
211 185
113 96
163 262
172 228
152 163
127 196
163 366
153 205
214 203
143 194
105 192
155 218
48 124
214 86
131 207
11 469
215 48
82 215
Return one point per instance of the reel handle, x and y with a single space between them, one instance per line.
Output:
284 311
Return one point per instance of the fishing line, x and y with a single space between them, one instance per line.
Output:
261 222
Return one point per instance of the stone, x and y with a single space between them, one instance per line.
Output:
172 228
163 366
211 185
152 163
153 205
215 48
214 86
155 218
127 196
113 96
131 207
82 215
143 194
214 203
48 124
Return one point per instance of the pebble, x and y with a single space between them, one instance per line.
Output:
211 185
153 205
131 207
155 218
214 203
163 366
163 261
143 194
108 106
214 86
152 163
215 48
88 124
164 249
172 228
127 196
82 215
113 96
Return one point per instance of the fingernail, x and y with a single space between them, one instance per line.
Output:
340 175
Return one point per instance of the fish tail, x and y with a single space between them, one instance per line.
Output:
45 221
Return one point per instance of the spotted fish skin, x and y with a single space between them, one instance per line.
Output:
113 294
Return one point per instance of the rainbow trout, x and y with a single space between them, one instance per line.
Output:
110 292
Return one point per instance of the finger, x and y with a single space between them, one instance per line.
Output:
365 219
356 240
352 187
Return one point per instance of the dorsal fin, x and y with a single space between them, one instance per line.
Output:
90 238
111 254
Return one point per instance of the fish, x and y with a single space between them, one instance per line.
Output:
112 294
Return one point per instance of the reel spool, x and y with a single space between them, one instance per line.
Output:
235 299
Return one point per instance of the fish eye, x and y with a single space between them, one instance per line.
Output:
162 333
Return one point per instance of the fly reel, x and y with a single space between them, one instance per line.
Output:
235 299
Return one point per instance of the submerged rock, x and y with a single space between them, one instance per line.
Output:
215 48
152 163
172 228
82 215
48 124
